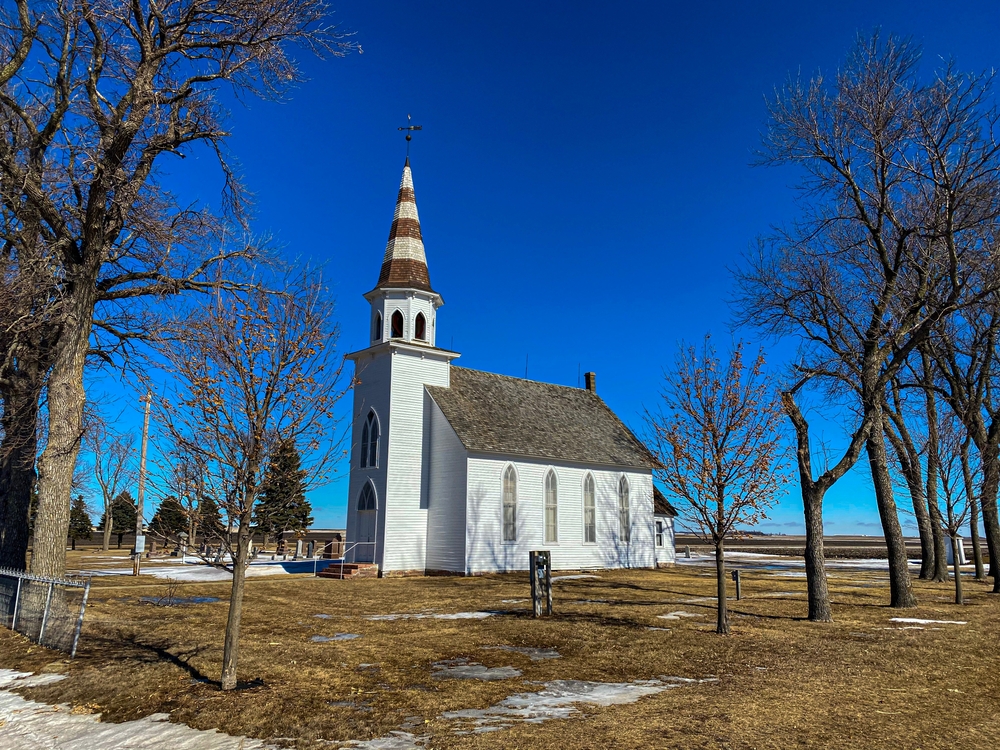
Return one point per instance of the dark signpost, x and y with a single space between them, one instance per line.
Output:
540 568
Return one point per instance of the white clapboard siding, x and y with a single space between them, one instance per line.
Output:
446 513
487 552
667 554
405 520
371 391
409 303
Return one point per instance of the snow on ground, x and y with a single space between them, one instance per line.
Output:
428 615
193 569
29 725
464 669
573 577
535 654
678 615
918 621
786 567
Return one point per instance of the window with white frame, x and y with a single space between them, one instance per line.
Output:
659 533
589 510
510 505
369 442
551 507
624 521
366 500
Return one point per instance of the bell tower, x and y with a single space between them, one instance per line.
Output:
390 438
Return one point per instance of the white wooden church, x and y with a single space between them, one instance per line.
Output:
463 472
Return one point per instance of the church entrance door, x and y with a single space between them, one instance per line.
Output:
365 551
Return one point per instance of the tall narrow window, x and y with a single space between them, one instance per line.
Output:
420 328
377 327
369 442
624 522
551 507
366 500
659 533
397 325
589 510
510 505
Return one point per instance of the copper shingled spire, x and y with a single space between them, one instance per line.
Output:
404 264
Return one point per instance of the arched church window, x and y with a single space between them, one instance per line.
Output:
369 442
366 500
624 521
589 510
377 327
510 505
420 328
551 507
397 325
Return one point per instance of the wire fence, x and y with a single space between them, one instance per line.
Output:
49 611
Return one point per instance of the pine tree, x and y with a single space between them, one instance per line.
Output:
283 505
123 513
170 518
209 518
81 525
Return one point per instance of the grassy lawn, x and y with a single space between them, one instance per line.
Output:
783 682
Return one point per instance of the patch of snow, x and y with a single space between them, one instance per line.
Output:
513 601
664 630
559 700
324 617
535 654
572 577
463 669
678 615
424 616
918 621
29 725
392 741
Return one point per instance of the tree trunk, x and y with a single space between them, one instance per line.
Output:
988 503
819 592
230 653
106 543
722 626
956 556
970 494
901 591
18 451
65 424
914 482
72 544
933 465
120 540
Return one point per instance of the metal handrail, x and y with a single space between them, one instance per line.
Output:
348 548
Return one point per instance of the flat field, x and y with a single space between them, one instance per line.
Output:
778 681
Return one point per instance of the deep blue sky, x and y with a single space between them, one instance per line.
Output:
583 177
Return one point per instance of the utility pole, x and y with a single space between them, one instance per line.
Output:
140 540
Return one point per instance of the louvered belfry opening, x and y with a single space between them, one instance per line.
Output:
404 264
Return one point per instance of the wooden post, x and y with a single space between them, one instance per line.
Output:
139 541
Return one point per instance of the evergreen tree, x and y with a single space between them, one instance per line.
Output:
283 505
209 518
81 525
170 518
123 513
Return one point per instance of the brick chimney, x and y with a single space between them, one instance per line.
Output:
590 379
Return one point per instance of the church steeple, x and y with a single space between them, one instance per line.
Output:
404 265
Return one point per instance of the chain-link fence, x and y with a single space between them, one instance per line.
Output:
49 611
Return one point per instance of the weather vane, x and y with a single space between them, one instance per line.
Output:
410 127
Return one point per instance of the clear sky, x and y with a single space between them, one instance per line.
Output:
583 177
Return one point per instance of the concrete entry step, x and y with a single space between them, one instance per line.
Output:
349 570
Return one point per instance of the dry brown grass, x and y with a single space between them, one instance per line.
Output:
784 682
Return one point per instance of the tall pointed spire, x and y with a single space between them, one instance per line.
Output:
404 264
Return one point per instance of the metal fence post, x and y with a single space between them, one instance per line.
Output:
17 604
79 620
45 617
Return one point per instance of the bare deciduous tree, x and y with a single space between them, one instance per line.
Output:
717 437
951 444
114 468
253 368
94 95
900 204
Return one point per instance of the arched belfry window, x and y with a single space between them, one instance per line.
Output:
369 442
510 505
397 325
366 500
551 507
589 510
377 327
624 520
420 328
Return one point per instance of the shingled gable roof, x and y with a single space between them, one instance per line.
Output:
662 506
498 414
